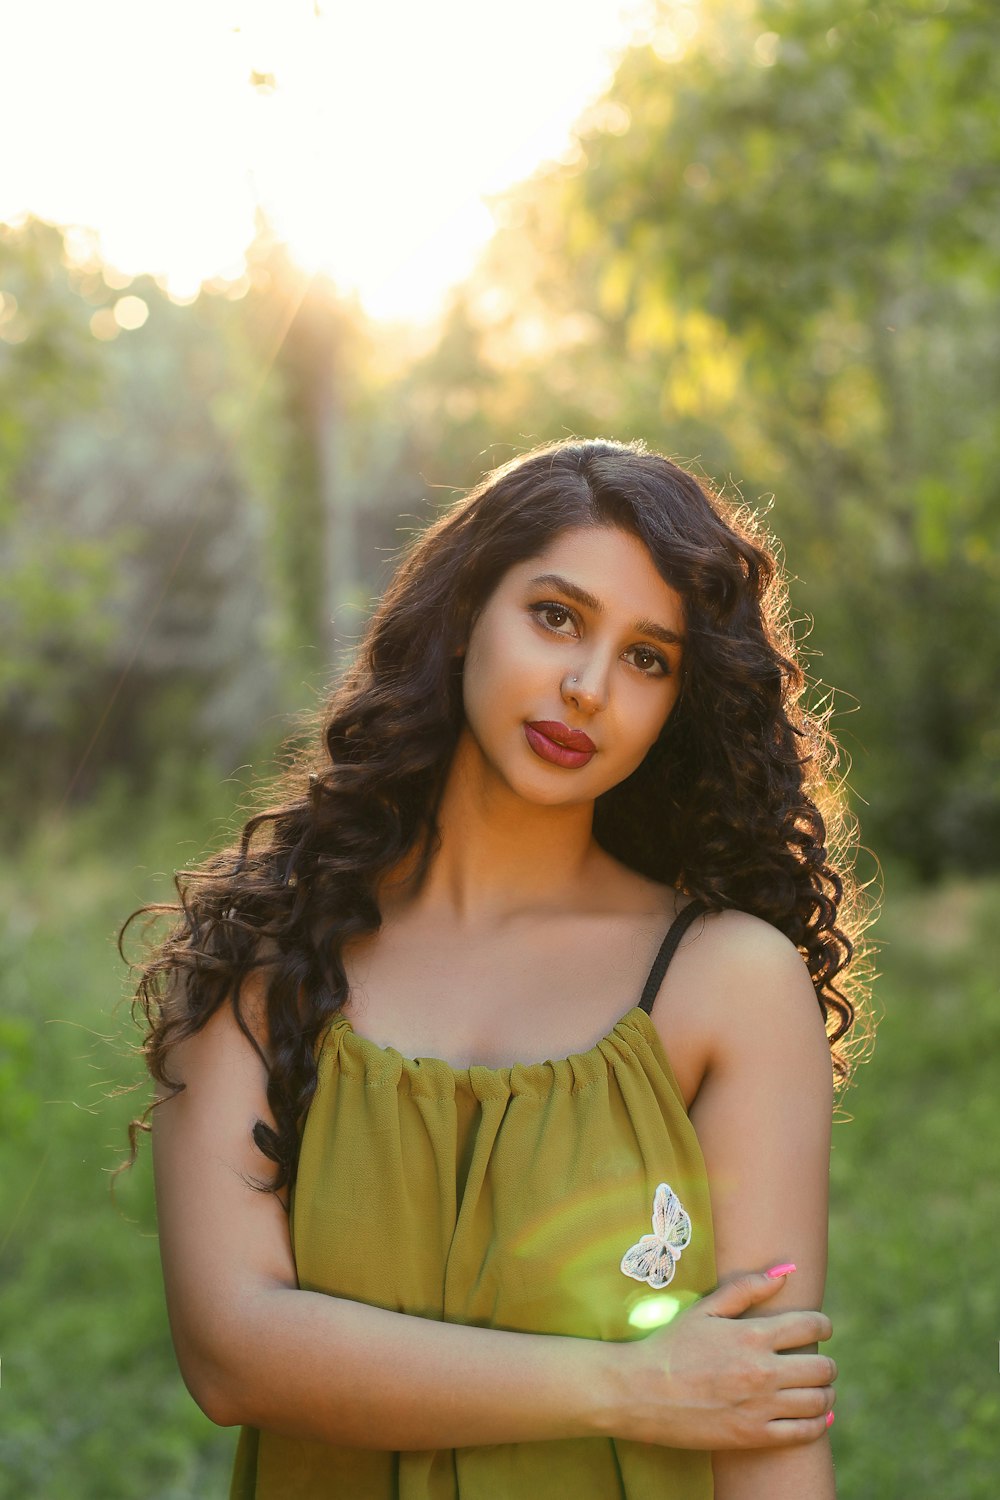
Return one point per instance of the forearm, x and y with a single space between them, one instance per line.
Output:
307 1365
801 1473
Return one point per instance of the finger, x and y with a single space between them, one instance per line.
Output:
794 1330
797 1370
785 1433
738 1293
814 1402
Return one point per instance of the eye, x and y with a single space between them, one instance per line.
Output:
652 664
548 608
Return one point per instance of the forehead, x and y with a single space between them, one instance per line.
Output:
612 565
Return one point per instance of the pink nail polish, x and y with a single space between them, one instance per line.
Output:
829 1419
782 1270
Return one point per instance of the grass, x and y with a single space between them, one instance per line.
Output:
914 1292
92 1401
93 1406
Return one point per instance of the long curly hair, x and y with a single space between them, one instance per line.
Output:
736 802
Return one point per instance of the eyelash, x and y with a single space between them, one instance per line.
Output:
548 605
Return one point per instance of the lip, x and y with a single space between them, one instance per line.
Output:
558 744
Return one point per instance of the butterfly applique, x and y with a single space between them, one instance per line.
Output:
654 1259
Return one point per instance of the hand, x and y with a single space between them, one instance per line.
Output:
713 1379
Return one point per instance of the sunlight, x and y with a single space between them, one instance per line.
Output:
674 30
369 137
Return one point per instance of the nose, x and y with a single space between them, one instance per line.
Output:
586 688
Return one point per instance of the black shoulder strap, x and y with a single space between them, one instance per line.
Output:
668 948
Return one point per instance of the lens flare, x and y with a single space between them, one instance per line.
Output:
656 1312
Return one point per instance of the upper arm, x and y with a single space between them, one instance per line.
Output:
757 1056
763 1111
220 1238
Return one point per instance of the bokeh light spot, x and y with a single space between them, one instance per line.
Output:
104 325
130 312
115 279
766 49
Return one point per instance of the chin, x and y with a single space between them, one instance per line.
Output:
574 789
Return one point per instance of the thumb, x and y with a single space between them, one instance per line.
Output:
735 1295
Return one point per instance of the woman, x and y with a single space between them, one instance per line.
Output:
413 1128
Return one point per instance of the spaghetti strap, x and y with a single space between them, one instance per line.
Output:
668 948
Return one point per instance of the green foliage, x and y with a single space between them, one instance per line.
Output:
48 360
135 575
93 1404
195 502
915 1300
18 1104
94 1407
53 582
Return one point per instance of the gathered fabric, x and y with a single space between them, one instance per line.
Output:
522 1198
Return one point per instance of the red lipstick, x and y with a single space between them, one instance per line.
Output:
559 744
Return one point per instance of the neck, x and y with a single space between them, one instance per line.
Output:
499 855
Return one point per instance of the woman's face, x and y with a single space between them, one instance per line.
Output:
584 639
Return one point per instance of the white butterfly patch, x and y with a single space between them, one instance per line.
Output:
654 1259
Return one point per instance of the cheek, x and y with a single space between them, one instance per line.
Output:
501 660
650 719
485 678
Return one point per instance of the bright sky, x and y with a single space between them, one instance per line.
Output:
389 121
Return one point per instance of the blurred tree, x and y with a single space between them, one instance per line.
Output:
343 456
136 598
53 582
196 501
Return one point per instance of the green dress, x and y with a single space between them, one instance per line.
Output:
517 1192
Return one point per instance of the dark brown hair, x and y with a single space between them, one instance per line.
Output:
735 803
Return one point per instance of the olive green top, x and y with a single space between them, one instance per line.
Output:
503 1198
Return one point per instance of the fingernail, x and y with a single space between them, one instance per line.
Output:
781 1270
829 1419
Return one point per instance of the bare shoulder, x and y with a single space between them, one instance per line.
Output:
221 1042
224 1077
720 947
741 938
736 987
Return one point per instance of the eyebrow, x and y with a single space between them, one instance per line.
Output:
574 591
